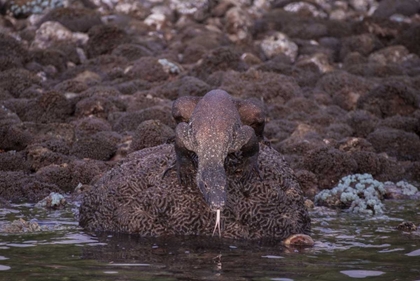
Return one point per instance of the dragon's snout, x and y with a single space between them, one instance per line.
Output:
212 183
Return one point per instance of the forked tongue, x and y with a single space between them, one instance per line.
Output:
217 224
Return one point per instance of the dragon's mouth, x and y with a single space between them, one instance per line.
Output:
217 224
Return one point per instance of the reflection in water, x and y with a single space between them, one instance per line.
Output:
414 253
4 267
347 246
362 273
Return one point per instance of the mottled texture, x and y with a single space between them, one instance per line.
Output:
214 130
100 146
104 38
19 186
16 80
134 198
151 133
390 99
24 8
49 107
75 19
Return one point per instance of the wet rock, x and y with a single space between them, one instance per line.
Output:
132 51
12 53
303 139
40 155
14 161
392 54
401 190
301 104
363 44
336 81
151 133
346 98
278 43
338 131
50 107
362 122
22 226
388 8
377 70
278 130
91 125
7 117
103 39
413 171
299 240
170 67
50 57
68 176
14 138
51 33
133 86
405 123
238 23
390 99
319 61
52 201
329 165
191 86
75 19
271 87
409 38
129 121
97 146
407 226
220 59
50 131
328 116
302 8
19 186
193 53
368 162
396 143
353 144
148 69
309 183
359 193
71 86
353 58
97 106
16 80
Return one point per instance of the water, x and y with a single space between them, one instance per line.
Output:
348 247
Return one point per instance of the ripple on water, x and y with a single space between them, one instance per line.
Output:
20 245
4 267
414 253
362 273
77 238
272 257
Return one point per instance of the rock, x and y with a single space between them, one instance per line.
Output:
360 193
407 226
51 33
278 43
53 201
299 240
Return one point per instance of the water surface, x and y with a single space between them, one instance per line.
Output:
348 247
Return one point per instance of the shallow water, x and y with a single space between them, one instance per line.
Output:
347 247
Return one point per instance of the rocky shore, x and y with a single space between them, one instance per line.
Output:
84 85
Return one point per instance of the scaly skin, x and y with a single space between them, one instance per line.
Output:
214 130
